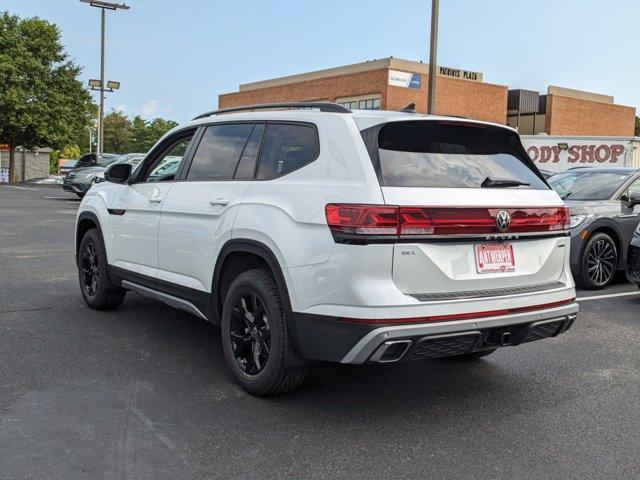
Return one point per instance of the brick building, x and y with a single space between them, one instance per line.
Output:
393 83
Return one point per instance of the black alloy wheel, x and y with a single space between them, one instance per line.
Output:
250 334
90 269
599 262
97 289
255 340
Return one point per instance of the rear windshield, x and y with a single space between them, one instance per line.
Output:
451 154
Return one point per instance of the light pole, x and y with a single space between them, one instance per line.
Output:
103 6
90 139
433 60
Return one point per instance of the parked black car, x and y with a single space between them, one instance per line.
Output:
603 204
92 159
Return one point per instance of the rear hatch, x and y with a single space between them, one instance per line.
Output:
476 217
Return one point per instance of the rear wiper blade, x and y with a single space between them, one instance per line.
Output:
502 182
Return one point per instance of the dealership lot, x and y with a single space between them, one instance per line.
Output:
143 391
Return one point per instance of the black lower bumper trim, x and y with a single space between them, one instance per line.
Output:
325 338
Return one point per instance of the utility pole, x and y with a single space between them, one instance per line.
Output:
433 60
103 6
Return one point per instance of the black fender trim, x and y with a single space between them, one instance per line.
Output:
86 216
294 354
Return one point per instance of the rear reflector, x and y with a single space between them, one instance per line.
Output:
458 316
394 221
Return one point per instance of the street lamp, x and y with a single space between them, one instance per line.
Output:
100 85
433 54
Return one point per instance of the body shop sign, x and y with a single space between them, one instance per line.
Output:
559 155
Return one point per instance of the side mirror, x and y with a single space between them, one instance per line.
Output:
118 173
634 199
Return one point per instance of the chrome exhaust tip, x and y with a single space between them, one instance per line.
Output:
390 351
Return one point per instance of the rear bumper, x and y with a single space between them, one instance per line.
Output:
633 260
330 339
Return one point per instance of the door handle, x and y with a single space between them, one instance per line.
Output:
222 202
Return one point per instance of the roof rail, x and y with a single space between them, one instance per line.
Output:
322 106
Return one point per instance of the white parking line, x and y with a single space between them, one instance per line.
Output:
609 295
19 188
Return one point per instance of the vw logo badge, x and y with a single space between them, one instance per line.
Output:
503 219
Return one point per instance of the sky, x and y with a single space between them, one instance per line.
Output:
173 58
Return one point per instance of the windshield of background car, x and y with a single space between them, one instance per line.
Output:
586 185
168 166
450 154
106 161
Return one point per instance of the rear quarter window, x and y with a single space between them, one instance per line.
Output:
449 154
287 147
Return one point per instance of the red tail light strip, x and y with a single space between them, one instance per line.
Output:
388 220
458 316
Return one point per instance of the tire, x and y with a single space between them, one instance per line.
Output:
96 287
471 356
254 336
599 262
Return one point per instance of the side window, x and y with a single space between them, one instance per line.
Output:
165 167
219 151
287 147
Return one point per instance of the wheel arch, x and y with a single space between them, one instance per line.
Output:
264 254
85 222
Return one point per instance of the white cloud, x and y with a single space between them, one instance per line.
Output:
149 108
121 108
152 108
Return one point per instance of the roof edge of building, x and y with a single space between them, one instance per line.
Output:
369 65
580 94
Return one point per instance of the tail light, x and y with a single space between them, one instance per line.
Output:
348 223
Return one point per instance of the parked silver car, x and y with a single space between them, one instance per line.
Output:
603 204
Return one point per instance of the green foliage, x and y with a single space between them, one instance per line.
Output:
122 135
41 99
53 161
637 126
117 132
70 152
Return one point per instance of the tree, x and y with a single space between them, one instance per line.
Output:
117 132
70 152
158 127
42 102
122 135
140 135
637 126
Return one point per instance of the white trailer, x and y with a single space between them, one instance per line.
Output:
559 153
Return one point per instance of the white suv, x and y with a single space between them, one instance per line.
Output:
314 233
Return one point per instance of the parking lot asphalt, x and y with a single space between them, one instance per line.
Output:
143 391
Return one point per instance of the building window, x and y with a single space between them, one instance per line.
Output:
360 103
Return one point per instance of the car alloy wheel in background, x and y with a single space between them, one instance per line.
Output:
599 262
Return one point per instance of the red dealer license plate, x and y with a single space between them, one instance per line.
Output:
495 258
